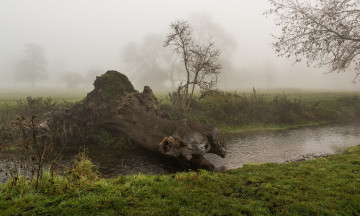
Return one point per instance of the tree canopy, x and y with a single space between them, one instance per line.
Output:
33 66
149 63
324 32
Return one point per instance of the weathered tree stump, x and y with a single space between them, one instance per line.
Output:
116 106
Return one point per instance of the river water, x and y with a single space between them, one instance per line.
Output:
287 145
250 147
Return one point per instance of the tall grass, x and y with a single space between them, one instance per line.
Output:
244 110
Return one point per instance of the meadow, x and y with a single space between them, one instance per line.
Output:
324 186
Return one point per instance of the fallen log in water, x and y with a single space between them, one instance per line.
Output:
116 106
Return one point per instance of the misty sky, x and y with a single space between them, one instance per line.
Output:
89 34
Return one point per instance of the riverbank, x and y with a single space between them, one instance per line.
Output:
234 130
323 186
236 112
231 112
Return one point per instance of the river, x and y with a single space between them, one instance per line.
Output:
287 145
251 147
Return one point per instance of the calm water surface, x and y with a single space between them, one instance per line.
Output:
250 147
285 145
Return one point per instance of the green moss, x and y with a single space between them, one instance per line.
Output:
113 83
105 138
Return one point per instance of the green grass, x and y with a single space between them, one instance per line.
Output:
232 112
237 112
58 94
324 186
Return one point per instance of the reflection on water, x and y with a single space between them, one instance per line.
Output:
112 163
254 147
137 160
284 145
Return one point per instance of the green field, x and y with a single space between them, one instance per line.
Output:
324 186
15 94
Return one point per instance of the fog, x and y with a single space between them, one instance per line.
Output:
84 38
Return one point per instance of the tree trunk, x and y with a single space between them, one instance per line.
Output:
192 93
129 113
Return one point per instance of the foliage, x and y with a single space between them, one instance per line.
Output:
30 106
325 32
36 106
324 186
82 172
21 143
235 110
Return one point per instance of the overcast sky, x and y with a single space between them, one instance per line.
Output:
80 35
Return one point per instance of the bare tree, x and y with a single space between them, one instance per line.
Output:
33 66
201 62
325 32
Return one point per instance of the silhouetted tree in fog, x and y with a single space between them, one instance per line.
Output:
205 28
33 66
149 63
72 79
201 61
324 32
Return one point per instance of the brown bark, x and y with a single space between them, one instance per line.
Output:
135 115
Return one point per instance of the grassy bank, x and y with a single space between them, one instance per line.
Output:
324 186
231 111
236 112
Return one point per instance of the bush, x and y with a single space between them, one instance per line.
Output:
82 172
232 109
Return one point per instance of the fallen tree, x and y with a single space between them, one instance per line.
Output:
116 106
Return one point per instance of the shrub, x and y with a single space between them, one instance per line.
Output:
82 172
